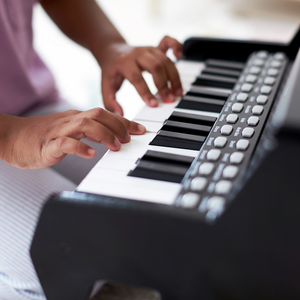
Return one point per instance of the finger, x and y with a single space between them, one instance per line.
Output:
157 68
109 96
167 43
98 124
59 148
83 126
171 71
133 127
133 73
93 121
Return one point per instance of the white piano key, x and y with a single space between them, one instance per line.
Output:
134 149
156 114
105 181
185 152
197 112
206 88
187 79
186 86
150 126
188 67
118 164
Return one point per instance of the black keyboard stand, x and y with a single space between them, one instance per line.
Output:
251 252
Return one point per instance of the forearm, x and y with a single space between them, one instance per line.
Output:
6 122
84 22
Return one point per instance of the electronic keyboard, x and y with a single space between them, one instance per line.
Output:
204 204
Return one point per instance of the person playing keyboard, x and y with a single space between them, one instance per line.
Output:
41 150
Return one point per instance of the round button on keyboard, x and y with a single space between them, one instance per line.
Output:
257 110
232 118
246 87
198 184
220 142
230 172
215 204
251 78
248 132
213 154
236 158
272 72
190 200
253 121
226 129
262 54
223 187
262 99
258 62
206 168
255 70
237 107
265 89
276 64
269 80
242 97
279 56
242 145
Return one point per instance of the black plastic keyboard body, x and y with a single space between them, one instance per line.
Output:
233 231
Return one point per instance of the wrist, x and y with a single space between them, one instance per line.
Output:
6 123
102 51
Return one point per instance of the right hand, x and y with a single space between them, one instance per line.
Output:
122 61
40 142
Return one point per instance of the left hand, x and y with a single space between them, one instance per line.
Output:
125 62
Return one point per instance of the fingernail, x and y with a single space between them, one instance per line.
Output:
117 143
91 152
141 128
179 92
153 102
171 97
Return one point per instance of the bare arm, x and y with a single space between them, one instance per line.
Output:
85 23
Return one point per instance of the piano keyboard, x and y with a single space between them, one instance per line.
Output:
195 149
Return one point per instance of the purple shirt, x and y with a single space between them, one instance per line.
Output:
25 81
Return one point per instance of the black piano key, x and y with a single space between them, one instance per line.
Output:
224 64
148 174
162 167
170 142
198 92
193 105
201 103
193 119
203 100
222 72
215 81
186 127
151 155
182 136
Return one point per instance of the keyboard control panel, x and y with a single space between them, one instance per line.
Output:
233 138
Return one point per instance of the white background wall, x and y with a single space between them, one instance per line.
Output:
145 22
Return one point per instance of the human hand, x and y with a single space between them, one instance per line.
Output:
40 142
124 62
